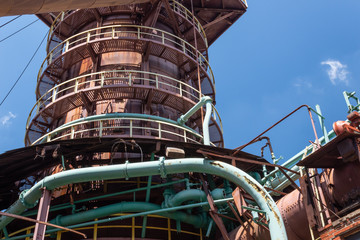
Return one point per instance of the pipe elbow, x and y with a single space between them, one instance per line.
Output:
186 195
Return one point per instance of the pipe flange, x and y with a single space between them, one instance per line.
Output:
162 167
22 199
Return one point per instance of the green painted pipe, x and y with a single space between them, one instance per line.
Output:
124 207
160 212
206 100
279 183
186 195
185 117
68 205
162 167
206 132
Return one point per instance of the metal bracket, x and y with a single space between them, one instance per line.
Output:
162 167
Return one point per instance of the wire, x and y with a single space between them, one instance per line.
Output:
10 21
27 65
19 30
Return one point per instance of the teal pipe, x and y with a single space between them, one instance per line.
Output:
206 132
291 165
322 125
124 207
185 117
218 168
184 196
206 100
160 212
67 205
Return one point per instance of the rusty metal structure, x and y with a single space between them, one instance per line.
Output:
124 140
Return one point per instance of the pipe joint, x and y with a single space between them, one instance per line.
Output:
23 201
162 167
185 117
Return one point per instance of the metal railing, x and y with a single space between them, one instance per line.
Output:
28 231
128 32
59 18
114 78
128 124
176 6
186 14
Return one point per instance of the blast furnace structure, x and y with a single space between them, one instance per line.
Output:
125 142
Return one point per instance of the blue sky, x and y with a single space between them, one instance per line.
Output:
278 56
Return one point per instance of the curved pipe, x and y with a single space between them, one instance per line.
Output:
207 101
123 207
161 167
206 122
19 7
186 195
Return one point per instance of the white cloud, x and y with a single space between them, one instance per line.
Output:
5 120
338 72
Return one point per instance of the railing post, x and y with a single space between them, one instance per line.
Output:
102 80
185 139
100 129
156 81
112 32
159 130
181 89
51 29
76 86
88 37
138 33
131 128
183 45
50 57
66 45
72 132
54 92
48 138
162 38
130 80
38 107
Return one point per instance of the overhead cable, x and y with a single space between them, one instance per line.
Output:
10 21
27 65
18 30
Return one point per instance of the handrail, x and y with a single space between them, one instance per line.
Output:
140 33
216 115
100 127
54 25
102 79
177 7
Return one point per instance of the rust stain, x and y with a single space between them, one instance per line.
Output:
216 164
264 196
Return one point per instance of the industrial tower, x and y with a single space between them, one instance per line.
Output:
124 140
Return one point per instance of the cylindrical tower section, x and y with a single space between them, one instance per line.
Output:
127 71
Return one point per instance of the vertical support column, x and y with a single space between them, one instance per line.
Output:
43 212
322 125
213 211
